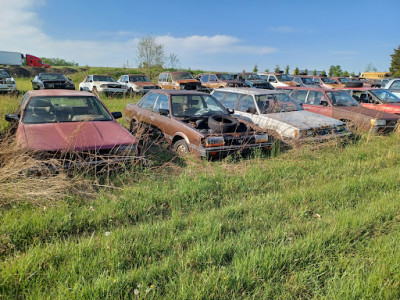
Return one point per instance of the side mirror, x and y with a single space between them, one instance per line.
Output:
231 111
90 80
117 114
163 112
12 117
324 103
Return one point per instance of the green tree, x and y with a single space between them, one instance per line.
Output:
346 74
287 70
255 69
277 69
314 72
323 73
296 71
395 64
335 71
266 70
306 71
59 62
150 54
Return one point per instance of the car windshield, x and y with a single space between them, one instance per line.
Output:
385 96
326 80
103 78
52 77
224 76
284 77
341 98
59 109
138 79
186 106
307 80
273 103
3 73
343 80
253 77
181 76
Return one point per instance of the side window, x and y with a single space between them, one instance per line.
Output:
213 78
246 104
315 98
230 100
148 103
299 96
23 102
169 79
395 85
204 78
272 79
317 80
162 103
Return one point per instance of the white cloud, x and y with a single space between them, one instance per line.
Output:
283 29
20 30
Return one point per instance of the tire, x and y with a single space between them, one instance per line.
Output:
353 84
180 147
222 123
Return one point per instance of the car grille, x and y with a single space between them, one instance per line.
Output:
113 86
54 84
236 141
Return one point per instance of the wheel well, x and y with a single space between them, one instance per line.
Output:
177 138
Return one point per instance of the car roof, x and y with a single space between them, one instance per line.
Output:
134 75
60 92
177 92
306 88
249 91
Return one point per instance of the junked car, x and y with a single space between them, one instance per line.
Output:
340 105
278 79
195 122
304 80
7 83
378 99
346 81
276 111
253 80
218 80
101 84
326 83
179 80
137 83
52 81
73 127
393 85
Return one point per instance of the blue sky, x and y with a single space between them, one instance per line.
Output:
208 35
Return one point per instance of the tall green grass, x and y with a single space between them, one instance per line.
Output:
311 223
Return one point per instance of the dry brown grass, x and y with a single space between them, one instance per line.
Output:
26 178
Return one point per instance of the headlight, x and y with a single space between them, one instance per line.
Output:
125 150
261 138
215 141
376 122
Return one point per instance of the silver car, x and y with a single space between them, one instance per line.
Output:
276 111
393 85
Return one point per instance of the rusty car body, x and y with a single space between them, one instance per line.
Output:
275 111
179 80
137 83
378 99
325 82
195 122
72 126
340 105
218 80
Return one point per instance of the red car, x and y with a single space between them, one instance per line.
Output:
340 105
74 126
378 99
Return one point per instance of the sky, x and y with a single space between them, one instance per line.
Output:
209 35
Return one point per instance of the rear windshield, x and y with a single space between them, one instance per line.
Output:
274 103
52 77
57 109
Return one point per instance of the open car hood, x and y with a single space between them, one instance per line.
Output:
77 136
303 119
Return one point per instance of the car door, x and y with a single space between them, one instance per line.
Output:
246 108
145 112
163 123
317 102
213 82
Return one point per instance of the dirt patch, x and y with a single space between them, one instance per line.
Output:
18 71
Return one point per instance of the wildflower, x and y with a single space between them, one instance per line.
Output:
136 292
107 233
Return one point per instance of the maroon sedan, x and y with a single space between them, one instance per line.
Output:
71 125
340 105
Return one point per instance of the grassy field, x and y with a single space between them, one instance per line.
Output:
313 222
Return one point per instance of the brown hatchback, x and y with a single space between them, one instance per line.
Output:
195 122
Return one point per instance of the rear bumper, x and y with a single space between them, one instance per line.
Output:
220 152
8 87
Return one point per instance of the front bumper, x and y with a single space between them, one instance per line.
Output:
324 138
223 151
382 129
111 90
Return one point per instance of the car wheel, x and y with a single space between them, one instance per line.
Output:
180 147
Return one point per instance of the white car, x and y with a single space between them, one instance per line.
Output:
276 111
7 83
101 84
277 80
393 85
137 83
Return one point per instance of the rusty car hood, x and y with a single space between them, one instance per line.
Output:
303 119
77 136
143 83
188 81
